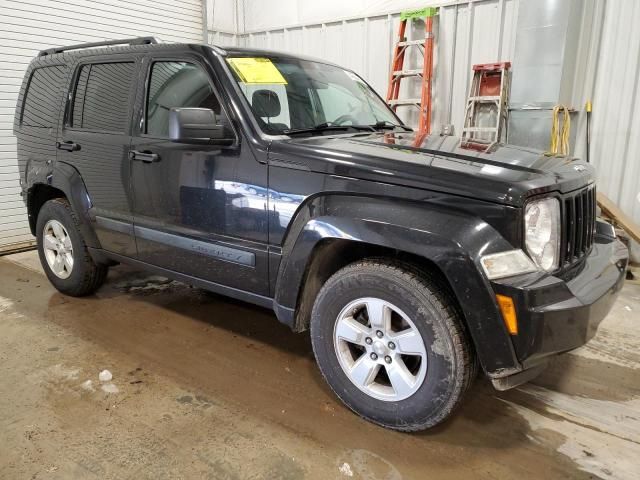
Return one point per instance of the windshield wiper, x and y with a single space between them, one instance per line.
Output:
386 124
326 126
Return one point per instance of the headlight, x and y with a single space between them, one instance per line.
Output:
542 232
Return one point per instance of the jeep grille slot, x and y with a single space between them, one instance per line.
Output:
578 224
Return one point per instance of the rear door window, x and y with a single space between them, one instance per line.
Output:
101 101
43 98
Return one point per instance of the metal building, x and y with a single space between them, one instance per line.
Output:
562 52
27 26
591 55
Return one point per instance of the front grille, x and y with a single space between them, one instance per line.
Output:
579 220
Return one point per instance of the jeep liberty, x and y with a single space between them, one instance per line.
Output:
287 182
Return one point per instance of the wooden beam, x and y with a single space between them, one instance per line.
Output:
611 209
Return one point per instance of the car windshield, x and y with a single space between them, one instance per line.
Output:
292 96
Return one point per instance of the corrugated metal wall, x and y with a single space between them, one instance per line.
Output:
27 26
476 32
222 21
610 76
479 31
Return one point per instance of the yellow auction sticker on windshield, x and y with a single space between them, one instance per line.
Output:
256 70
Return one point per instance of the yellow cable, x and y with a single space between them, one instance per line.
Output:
559 144
566 132
553 144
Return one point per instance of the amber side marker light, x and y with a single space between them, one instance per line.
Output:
508 311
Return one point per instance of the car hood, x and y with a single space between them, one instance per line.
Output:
505 174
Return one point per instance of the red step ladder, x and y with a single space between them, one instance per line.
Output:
487 110
425 73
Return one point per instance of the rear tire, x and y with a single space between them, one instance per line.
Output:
63 252
424 341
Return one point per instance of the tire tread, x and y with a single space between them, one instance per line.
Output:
94 274
442 298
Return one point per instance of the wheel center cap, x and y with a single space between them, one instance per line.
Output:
380 348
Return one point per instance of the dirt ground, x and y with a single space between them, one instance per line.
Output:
206 387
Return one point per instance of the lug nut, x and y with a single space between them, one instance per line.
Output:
392 345
374 356
387 359
368 341
379 334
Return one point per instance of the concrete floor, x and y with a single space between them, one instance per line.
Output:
205 387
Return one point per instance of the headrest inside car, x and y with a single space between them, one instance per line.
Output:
265 103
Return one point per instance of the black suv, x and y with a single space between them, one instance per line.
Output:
288 183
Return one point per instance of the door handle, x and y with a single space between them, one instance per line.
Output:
68 146
145 156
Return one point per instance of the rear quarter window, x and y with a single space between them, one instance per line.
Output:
43 97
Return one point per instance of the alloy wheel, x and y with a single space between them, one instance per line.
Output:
58 249
380 349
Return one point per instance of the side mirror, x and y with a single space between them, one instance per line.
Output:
198 125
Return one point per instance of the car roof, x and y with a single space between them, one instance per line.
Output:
113 50
66 56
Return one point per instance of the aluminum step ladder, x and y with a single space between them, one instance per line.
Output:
398 73
487 110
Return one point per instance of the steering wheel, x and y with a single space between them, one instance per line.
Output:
345 118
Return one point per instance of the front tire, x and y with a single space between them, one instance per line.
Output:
63 252
391 345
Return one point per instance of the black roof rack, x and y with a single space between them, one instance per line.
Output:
124 41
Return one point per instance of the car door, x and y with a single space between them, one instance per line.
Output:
199 209
95 139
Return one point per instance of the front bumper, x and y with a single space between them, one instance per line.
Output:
560 313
